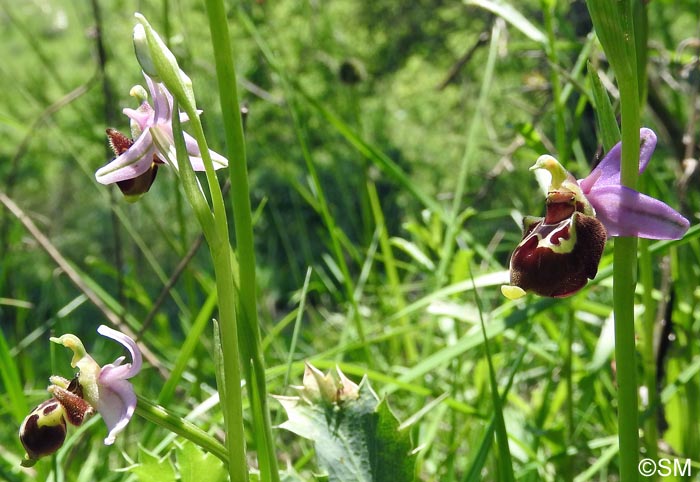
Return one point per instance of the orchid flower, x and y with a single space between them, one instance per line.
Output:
103 389
136 164
560 252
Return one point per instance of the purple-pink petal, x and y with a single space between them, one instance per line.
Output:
195 154
626 212
132 163
607 172
117 405
162 101
130 369
143 116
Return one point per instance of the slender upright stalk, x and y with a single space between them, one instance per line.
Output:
249 332
617 27
624 282
214 224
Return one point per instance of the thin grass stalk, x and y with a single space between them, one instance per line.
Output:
409 346
548 8
505 461
453 217
249 338
323 208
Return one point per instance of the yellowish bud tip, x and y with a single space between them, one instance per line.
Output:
559 174
74 343
512 292
139 93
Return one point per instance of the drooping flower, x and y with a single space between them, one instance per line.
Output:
103 389
136 164
560 252
43 431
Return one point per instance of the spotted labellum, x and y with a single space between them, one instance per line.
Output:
560 252
102 389
44 429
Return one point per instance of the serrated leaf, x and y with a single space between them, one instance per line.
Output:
199 466
355 440
153 469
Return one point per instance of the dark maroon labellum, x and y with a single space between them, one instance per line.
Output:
44 430
140 184
560 252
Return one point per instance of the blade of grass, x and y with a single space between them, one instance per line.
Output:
505 462
605 114
297 325
15 402
470 144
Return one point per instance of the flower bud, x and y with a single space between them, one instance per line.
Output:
143 53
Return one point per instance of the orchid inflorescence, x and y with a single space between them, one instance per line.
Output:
560 252
103 389
152 143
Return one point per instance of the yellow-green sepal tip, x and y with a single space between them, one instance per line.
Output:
512 292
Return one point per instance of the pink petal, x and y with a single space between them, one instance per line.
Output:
117 403
626 212
143 116
162 101
116 370
132 163
607 172
218 160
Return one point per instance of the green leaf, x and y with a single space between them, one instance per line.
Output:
198 466
152 468
613 23
356 439
512 16
414 252
605 114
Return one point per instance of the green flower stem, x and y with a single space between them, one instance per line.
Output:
215 227
160 416
249 331
624 281
616 26
219 247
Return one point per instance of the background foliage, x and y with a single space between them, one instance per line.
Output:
340 86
